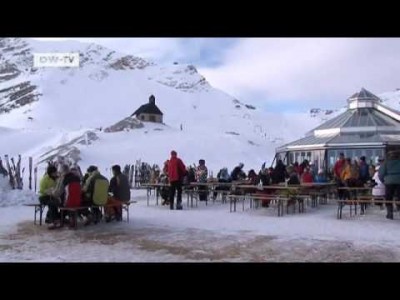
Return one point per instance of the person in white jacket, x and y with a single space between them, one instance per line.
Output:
378 190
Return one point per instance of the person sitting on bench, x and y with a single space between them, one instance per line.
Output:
72 188
121 192
96 192
46 186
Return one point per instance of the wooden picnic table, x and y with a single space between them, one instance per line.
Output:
355 188
211 184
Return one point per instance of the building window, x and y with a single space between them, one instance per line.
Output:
152 118
142 117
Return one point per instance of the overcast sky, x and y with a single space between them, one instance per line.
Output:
279 74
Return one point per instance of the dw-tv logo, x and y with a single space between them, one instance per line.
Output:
56 60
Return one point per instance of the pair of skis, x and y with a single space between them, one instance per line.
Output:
131 172
14 172
30 174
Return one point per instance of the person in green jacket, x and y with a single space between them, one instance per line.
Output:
46 188
96 191
389 174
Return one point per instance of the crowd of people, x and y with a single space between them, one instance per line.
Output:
346 172
66 187
176 174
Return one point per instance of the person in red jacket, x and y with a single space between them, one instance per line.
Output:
339 165
176 172
306 177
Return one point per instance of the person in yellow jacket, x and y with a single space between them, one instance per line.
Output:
355 173
47 186
345 175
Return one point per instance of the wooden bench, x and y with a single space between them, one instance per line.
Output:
39 208
233 199
299 199
194 194
318 197
74 211
363 202
255 199
125 207
278 199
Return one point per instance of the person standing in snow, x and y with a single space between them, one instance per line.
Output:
389 174
337 172
363 171
201 177
378 190
176 173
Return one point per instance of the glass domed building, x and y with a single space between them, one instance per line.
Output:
367 128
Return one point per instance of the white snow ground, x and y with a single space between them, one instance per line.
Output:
204 234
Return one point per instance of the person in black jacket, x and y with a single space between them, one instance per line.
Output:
237 173
279 173
121 191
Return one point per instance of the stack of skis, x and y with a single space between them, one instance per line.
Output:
14 173
143 173
128 171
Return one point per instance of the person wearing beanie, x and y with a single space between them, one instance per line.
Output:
176 172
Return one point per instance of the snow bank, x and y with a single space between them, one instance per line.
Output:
9 197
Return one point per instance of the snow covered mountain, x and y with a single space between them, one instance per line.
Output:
50 111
